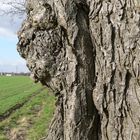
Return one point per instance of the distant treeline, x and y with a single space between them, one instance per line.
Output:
14 74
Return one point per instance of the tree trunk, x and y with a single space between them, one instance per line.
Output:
87 52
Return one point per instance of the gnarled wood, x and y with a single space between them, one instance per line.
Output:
87 52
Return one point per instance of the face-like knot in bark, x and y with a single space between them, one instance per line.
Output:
40 43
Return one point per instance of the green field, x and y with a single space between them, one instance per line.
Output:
25 109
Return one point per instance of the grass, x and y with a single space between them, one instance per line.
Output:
31 121
14 90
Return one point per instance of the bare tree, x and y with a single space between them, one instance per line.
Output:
12 8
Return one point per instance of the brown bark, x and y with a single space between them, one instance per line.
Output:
87 52
116 30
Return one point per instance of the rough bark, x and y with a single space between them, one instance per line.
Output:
87 52
115 26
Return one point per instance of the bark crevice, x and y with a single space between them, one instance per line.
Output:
87 52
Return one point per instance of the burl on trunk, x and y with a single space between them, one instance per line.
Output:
87 52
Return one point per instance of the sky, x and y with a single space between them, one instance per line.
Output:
10 61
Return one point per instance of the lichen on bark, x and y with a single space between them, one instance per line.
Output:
87 52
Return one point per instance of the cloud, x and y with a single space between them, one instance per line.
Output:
12 62
10 21
4 32
13 68
9 25
18 66
7 4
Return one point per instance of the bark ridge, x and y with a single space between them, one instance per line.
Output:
87 52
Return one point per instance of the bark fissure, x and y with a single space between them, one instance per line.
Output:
87 52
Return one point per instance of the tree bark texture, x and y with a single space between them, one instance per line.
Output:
87 52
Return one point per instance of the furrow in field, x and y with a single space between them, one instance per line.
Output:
11 86
12 93
11 110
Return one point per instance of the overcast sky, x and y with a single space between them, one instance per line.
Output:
10 61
